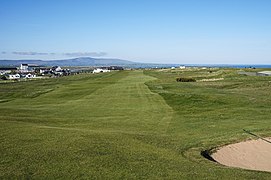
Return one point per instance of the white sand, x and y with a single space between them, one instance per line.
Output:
253 154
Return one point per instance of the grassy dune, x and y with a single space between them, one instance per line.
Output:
129 125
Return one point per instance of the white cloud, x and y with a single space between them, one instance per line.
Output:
29 53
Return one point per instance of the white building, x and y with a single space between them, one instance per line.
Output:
24 68
30 76
14 76
57 68
182 67
100 70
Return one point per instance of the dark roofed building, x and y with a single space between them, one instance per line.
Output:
6 70
115 68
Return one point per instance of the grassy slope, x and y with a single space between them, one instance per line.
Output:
112 125
84 127
208 114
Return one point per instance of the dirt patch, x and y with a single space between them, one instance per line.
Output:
252 154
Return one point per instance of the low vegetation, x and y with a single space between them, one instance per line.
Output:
129 124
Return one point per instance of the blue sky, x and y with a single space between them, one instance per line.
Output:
163 31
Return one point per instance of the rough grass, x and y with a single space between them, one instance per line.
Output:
129 125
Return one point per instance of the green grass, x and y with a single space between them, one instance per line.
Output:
129 125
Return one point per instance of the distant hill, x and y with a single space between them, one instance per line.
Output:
83 61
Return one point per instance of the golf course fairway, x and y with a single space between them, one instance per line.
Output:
129 125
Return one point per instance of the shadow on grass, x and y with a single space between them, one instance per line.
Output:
206 154
257 136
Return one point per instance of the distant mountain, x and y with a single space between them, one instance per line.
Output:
83 61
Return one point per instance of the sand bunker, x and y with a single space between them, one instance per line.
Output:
211 80
253 155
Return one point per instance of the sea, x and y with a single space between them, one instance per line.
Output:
238 66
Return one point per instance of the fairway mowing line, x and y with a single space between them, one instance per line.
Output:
151 107
76 129
167 114
129 96
102 131
18 122
48 127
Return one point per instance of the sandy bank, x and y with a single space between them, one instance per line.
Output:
253 155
